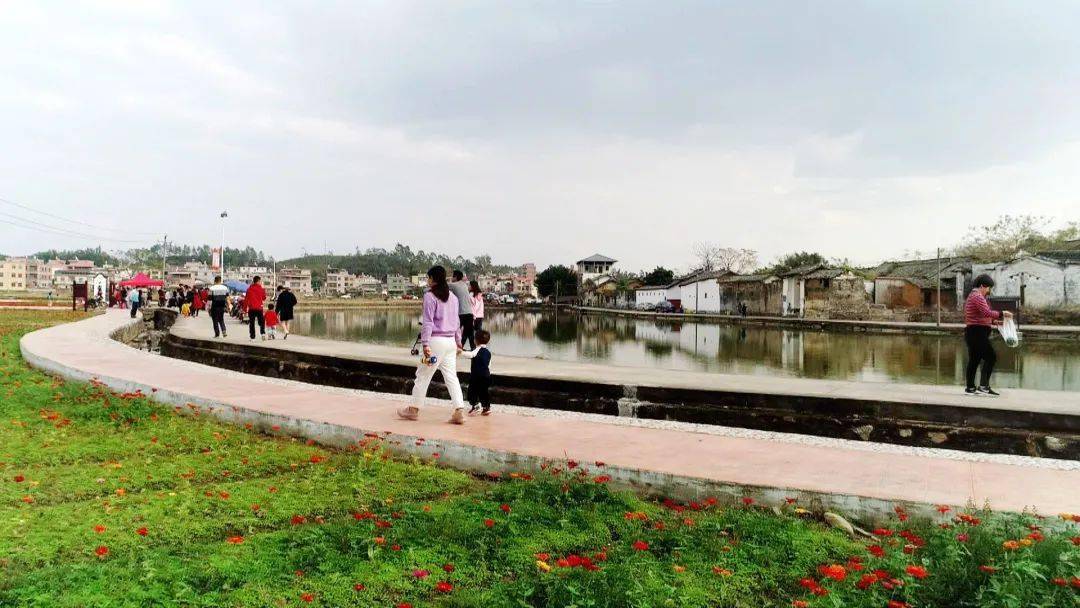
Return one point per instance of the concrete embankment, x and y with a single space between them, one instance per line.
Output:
1024 422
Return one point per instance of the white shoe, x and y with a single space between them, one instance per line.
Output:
409 413
458 417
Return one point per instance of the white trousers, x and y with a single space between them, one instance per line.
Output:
445 350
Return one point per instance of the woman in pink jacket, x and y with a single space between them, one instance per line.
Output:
440 334
477 301
979 320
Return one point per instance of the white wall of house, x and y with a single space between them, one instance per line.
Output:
701 296
1046 282
792 295
651 296
673 293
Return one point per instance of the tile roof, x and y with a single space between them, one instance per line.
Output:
596 257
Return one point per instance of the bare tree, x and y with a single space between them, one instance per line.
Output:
735 260
705 254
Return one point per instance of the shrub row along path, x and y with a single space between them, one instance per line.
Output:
852 478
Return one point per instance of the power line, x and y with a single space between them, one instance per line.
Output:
64 233
68 231
58 217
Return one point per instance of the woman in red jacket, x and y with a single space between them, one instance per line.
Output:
979 320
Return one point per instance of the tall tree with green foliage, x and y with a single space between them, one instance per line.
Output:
1010 235
560 275
658 276
794 260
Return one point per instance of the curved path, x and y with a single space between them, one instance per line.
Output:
863 480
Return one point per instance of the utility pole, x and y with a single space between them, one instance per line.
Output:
939 286
557 284
224 214
164 253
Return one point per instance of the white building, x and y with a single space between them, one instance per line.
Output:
594 267
700 292
1038 281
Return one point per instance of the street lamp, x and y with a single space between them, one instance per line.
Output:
224 214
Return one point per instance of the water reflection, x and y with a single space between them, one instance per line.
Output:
1052 365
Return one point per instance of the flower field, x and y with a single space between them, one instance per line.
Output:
112 500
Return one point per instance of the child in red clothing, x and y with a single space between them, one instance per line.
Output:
271 322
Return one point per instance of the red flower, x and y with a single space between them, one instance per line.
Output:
448 567
916 571
543 556
897 604
599 463
988 569
833 571
882 532
101 551
99 528
641 545
790 500
562 562
747 501
316 459
359 587
602 478
962 537
1060 582
298 520
799 604
395 547
142 531
505 508
808 583
571 464
420 574
19 479
307 597
866 581
819 591
943 509
443 587
1036 536
235 540
404 605
1076 540
489 522
876 550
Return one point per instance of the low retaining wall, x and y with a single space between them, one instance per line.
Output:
943 426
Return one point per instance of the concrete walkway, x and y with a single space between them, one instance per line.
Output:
1052 402
676 460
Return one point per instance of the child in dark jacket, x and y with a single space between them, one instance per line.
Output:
479 374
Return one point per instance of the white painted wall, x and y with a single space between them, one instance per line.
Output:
701 296
650 297
1047 283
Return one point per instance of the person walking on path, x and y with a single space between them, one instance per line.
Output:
254 298
219 301
440 335
134 301
979 320
286 302
479 374
271 322
460 289
476 298
196 302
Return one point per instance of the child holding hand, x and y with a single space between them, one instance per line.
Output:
479 374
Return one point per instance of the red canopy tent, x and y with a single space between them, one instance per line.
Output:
141 280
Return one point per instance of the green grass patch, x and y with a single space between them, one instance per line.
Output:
113 500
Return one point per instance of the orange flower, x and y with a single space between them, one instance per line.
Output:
99 528
1010 545
307 597
142 531
640 545
988 569
721 571
833 571
678 568
235 540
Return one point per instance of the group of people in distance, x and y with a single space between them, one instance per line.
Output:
453 314
252 303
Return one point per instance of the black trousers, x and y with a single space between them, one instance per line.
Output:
477 325
217 317
256 314
981 351
467 331
134 308
478 391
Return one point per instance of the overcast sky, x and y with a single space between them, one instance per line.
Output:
538 131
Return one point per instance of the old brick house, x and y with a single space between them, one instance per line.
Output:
913 284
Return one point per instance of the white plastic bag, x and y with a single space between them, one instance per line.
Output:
1009 333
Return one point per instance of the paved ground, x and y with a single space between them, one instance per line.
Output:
849 476
1058 402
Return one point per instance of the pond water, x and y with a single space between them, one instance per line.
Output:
922 359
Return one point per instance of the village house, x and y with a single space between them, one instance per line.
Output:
700 291
397 284
834 293
296 279
760 293
1038 281
592 268
189 273
913 285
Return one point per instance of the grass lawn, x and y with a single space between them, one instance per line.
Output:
112 500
